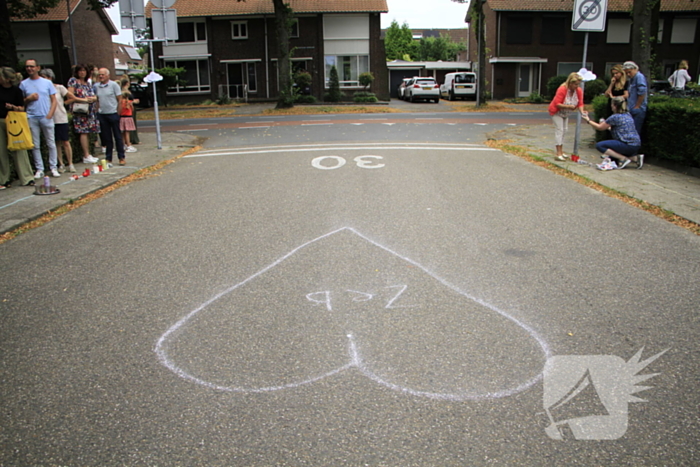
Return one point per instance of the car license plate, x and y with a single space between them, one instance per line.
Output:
427 88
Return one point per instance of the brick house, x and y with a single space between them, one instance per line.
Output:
47 39
126 59
228 47
529 41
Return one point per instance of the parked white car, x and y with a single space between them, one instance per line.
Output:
425 89
460 85
402 87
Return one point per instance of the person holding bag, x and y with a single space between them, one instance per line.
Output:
84 111
12 100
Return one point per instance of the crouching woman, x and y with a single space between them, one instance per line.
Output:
624 146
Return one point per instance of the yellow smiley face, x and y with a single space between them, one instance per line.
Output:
14 128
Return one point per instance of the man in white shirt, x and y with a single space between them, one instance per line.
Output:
109 93
40 102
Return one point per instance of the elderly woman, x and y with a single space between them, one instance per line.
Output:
626 143
679 77
12 99
568 98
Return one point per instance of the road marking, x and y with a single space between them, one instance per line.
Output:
316 124
198 124
190 131
251 127
329 148
353 351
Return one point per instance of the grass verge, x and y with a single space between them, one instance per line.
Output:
507 146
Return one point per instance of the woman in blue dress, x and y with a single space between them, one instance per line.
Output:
626 143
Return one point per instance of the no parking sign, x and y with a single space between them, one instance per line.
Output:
589 15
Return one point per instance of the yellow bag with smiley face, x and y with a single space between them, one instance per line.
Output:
19 135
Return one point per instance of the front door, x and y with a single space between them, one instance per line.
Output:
524 79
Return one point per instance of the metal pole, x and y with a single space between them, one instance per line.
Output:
583 87
155 95
72 38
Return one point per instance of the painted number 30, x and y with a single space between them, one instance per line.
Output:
336 162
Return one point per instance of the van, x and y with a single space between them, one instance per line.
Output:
459 85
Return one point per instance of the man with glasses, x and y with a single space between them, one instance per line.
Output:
109 93
40 102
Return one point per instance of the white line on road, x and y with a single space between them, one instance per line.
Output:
331 148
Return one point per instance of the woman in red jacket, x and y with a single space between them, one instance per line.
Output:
569 97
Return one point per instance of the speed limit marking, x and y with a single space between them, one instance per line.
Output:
589 15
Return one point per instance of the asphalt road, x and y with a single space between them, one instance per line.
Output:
350 294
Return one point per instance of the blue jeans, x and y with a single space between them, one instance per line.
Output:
638 116
109 124
40 125
617 146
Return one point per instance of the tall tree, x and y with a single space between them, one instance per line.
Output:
645 20
438 48
398 42
283 23
26 9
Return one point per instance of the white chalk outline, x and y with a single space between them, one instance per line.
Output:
353 352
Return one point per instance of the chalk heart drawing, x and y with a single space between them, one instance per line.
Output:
344 303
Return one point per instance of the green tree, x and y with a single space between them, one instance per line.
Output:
366 79
398 42
645 23
438 48
27 9
334 94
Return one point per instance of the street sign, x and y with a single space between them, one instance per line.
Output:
164 24
163 3
589 15
132 14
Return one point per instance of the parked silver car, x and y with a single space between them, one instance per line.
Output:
401 91
422 89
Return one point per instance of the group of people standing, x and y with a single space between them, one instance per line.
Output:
628 94
98 105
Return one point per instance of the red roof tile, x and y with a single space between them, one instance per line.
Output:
568 5
191 8
57 13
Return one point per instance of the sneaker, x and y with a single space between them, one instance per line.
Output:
61 169
560 158
104 150
122 161
130 149
90 160
624 163
39 174
71 169
640 161
54 173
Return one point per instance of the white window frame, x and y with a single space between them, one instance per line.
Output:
573 66
201 88
619 30
196 36
683 30
239 24
295 25
355 83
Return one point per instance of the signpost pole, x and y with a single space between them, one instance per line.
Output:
155 94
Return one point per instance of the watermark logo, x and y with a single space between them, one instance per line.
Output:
587 396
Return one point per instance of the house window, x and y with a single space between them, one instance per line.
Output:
566 68
519 30
683 31
553 30
660 34
239 29
294 32
349 68
196 76
191 32
619 31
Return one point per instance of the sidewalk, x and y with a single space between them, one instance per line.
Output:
19 204
670 190
662 187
